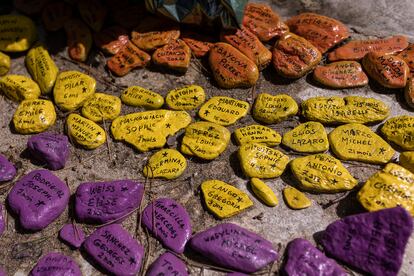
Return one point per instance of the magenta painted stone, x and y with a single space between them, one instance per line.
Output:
72 234
2 221
234 247
102 202
56 264
115 250
373 242
49 148
38 198
305 259
167 264
2 272
169 222
7 169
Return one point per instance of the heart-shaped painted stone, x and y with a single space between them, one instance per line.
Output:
72 234
7 169
175 56
307 137
167 264
54 264
79 39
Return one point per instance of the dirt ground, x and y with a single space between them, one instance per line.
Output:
116 160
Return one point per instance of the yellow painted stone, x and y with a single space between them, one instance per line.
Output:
149 129
85 132
350 109
260 161
223 110
42 68
17 33
72 89
263 192
141 97
295 199
359 143
205 140
271 109
388 188
34 116
19 88
4 64
307 137
185 98
166 163
101 107
322 173
407 160
224 200
400 130
257 134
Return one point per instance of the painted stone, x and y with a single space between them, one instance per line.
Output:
85 132
224 200
38 198
72 89
93 12
262 21
307 137
223 110
101 106
128 58
175 56
295 199
408 56
185 98
305 259
409 92
103 202
260 161
142 97
7 169
167 264
4 64
166 163
372 242
34 116
149 129
294 56
169 222
357 49
115 250
226 245
322 31
19 88
341 74
111 40
350 109
205 140
271 109
322 173
400 130
407 160
72 234
49 148
55 264
42 68
199 44
231 68
79 39
257 134
55 15
17 33
388 70
359 143
263 192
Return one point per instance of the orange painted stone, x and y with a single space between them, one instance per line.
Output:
389 71
261 20
409 92
322 31
294 56
55 14
93 12
199 44
357 49
341 74
231 68
79 39
247 43
128 58
175 56
408 56
111 40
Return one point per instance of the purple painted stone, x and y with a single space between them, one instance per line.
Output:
167 264
305 259
102 202
49 148
2 221
2 272
72 234
38 198
373 242
171 223
56 264
115 250
234 247
7 169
